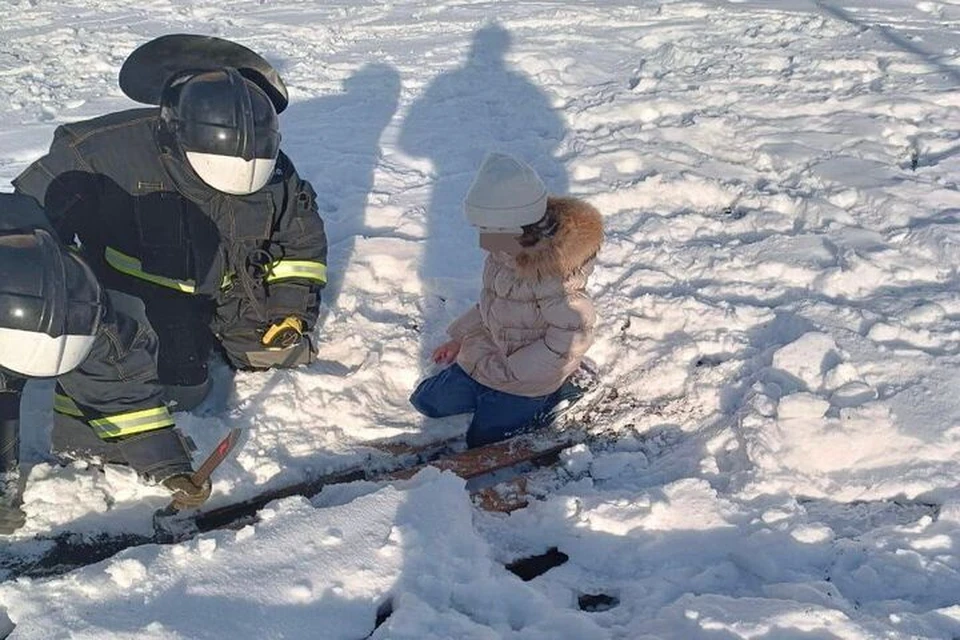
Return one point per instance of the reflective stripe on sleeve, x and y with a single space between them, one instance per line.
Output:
65 405
304 269
128 424
133 267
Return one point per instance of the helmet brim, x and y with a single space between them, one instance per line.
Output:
152 65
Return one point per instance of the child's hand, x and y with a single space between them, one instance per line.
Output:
446 353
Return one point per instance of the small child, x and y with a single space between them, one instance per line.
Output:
512 352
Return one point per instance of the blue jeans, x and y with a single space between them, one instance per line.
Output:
496 414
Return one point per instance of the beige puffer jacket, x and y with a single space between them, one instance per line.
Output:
534 321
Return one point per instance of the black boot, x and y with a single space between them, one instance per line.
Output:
12 516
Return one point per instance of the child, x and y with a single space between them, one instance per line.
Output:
512 352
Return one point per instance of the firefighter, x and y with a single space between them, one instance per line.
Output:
56 321
191 207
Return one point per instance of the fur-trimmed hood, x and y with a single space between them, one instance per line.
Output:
576 242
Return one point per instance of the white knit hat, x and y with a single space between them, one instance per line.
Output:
506 195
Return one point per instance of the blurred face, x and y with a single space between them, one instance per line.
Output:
508 243
512 242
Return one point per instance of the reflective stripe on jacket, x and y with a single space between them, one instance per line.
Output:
143 216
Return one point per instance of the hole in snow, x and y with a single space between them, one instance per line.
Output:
529 568
596 602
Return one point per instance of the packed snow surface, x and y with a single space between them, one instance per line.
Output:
778 303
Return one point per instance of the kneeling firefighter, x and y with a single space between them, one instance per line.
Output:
56 321
191 207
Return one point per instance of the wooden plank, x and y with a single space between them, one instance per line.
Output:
481 461
505 497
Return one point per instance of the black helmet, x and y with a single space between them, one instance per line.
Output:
50 305
225 125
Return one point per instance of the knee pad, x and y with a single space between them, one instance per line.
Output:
249 355
182 397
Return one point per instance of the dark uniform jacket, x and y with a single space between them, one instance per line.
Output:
148 225
114 391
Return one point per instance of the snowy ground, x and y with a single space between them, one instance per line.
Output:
778 295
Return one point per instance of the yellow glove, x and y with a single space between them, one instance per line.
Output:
284 334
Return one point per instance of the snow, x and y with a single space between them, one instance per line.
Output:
777 301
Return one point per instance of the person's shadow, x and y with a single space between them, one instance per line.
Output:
480 107
338 153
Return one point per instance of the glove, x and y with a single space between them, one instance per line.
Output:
187 495
284 334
